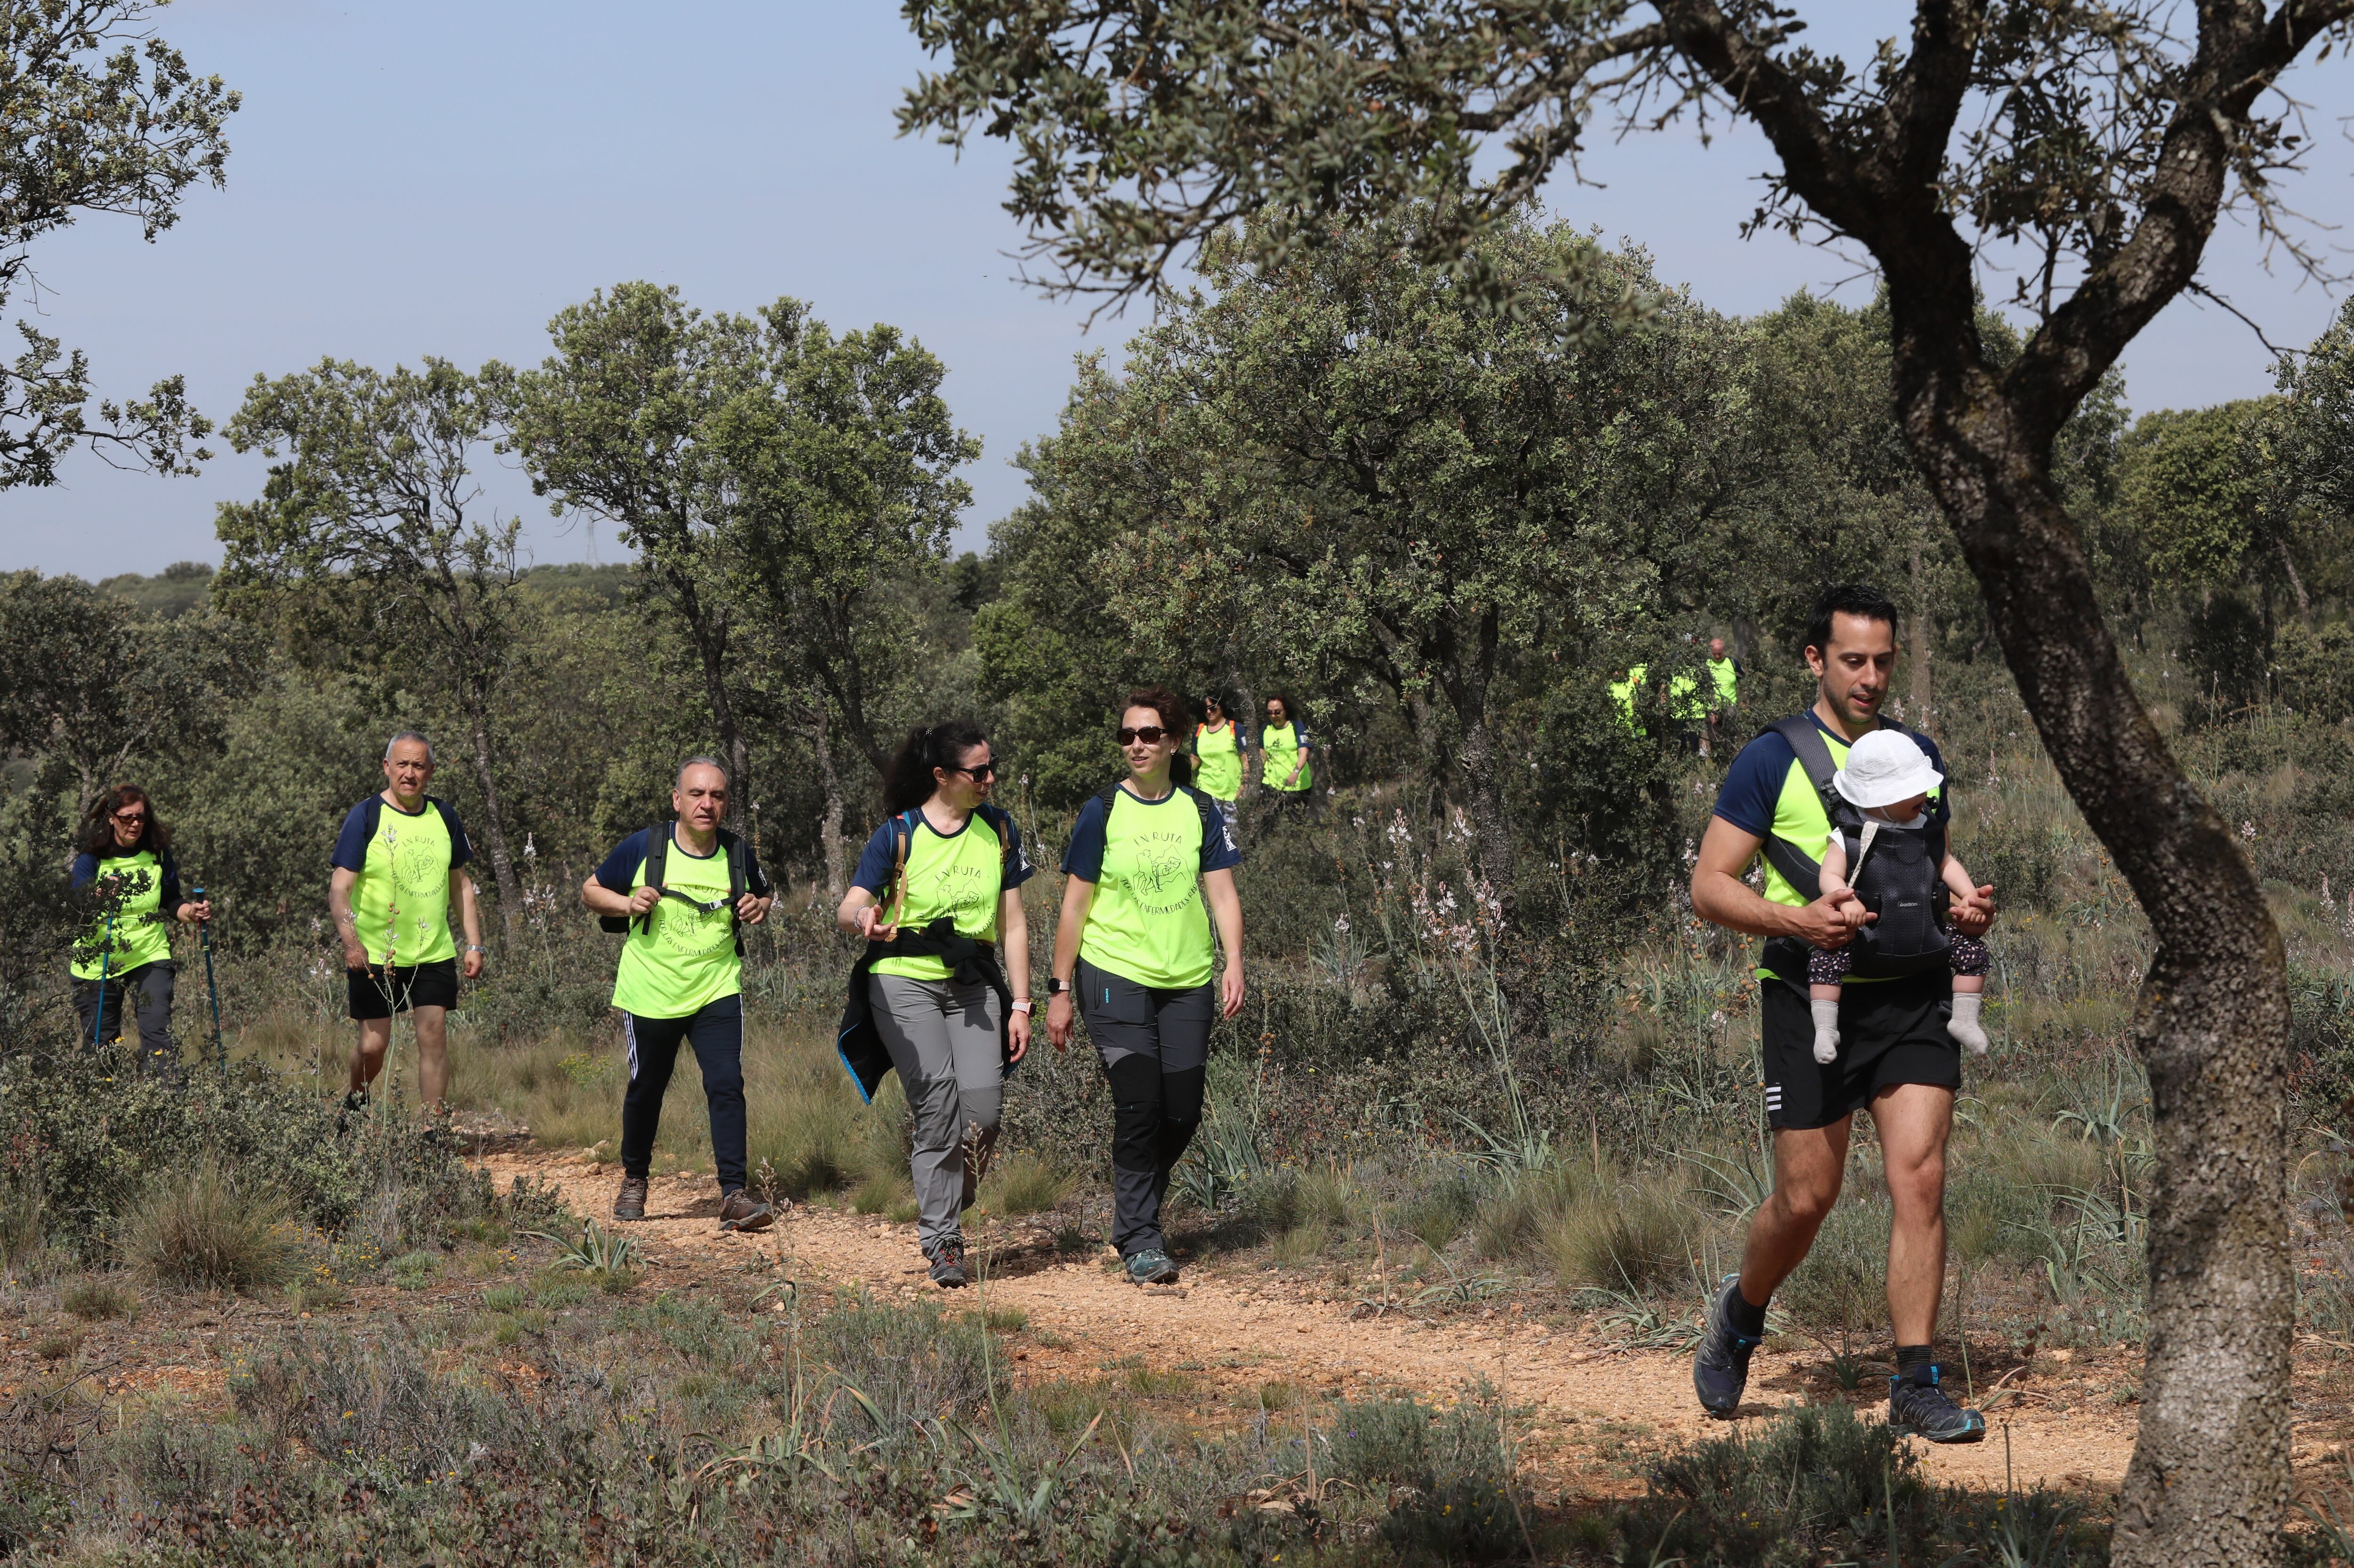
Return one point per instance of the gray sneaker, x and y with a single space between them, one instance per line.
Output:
948 1266
1151 1266
629 1203
1921 1409
1720 1368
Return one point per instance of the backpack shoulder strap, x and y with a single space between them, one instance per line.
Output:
733 846
1202 805
1802 870
903 834
999 822
371 818
657 853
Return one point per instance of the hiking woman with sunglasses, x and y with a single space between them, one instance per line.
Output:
126 853
1151 870
937 897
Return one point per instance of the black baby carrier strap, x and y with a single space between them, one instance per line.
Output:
1894 870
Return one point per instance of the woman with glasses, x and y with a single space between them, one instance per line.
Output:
126 862
945 979
1152 870
1217 754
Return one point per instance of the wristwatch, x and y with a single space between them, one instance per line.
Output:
1020 1005
1058 987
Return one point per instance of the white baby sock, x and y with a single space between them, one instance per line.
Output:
1965 1027
1827 1030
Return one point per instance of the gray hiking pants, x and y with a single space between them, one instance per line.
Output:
943 1040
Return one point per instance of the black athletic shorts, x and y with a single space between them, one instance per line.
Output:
380 993
1891 1031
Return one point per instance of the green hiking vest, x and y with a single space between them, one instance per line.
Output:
141 936
959 875
1149 922
401 899
1278 751
1218 759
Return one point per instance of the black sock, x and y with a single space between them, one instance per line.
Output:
1747 1322
1913 1361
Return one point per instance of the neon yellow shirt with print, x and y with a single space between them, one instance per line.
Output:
401 898
958 875
1726 680
683 958
1149 922
1278 751
1800 820
140 934
1219 759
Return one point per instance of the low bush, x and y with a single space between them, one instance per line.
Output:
908 1360
90 1300
1027 1184
1456 1497
1639 1238
201 1231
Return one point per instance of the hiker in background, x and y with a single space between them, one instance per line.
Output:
1896 1057
126 856
682 892
1150 869
1723 692
945 979
1283 752
1625 687
397 871
1218 747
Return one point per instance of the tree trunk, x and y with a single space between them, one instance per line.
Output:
494 832
1918 701
2295 584
2209 1479
829 834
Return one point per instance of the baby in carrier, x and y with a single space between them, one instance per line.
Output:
1895 860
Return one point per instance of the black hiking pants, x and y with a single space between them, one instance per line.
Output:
149 988
716 1033
1155 1049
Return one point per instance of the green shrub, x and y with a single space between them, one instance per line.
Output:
1515 1212
1840 1293
200 1232
1462 1501
908 1360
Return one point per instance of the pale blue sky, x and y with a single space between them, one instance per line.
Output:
440 178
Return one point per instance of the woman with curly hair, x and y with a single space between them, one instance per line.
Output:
126 861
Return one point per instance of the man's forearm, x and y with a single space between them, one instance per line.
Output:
1729 901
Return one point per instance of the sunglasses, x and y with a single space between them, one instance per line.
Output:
1152 735
130 819
986 771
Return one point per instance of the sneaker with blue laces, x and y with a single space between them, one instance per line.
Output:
1720 1368
1917 1407
1151 1266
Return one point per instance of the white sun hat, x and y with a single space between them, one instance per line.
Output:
1884 767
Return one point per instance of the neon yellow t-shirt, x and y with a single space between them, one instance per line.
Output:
1149 921
1278 748
141 936
1219 759
958 875
683 958
401 899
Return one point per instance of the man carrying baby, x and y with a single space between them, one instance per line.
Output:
1897 1056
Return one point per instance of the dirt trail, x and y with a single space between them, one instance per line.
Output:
1596 1407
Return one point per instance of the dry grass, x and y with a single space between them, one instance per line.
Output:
1639 1238
1027 1185
201 1231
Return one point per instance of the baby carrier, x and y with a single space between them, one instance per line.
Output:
1894 870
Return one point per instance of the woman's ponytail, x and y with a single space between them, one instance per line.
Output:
908 780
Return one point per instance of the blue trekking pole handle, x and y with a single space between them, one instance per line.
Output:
204 934
105 959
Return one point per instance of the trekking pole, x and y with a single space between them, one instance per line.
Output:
204 934
105 958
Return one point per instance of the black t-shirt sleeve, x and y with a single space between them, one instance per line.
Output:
619 874
461 849
756 881
85 870
1084 857
351 843
874 861
171 888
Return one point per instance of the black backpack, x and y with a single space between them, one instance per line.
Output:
1894 870
658 842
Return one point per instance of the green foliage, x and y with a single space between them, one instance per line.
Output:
199 1230
1461 1501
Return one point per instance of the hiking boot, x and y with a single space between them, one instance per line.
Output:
353 1104
739 1211
1917 1407
1720 1368
1151 1266
948 1266
629 1203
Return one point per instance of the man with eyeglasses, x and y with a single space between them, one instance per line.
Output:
681 892
398 870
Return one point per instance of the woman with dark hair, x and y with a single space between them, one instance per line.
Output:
1152 870
1218 747
937 897
126 859
1283 755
